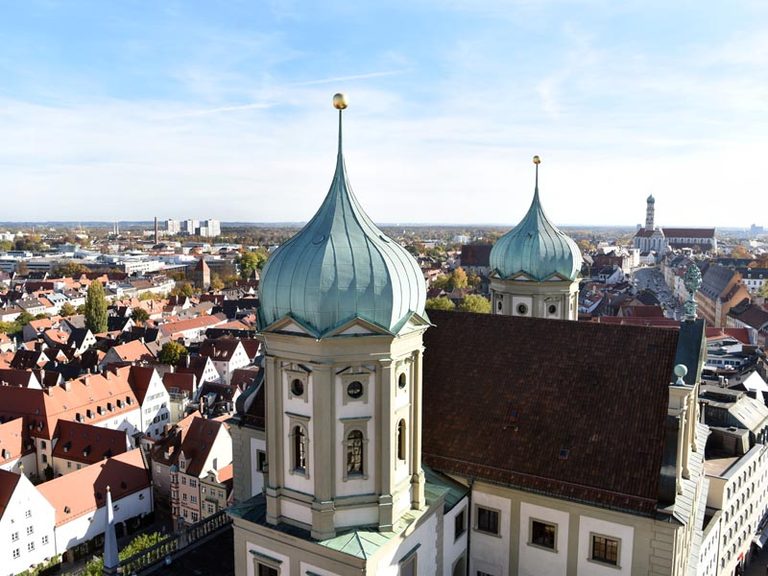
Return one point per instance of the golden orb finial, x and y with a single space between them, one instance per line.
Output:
536 160
339 101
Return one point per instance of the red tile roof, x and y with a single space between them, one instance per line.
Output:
105 396
14 440
83 491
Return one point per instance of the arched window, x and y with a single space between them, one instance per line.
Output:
299 449
401 442
354 453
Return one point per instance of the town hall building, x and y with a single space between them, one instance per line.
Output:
383 440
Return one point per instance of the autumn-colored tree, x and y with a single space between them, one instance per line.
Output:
459 278
475 303
439 303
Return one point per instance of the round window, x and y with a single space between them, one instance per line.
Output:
297 387
355 389
552 309
401 381
522 309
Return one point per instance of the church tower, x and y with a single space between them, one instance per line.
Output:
650 208
342 320
535 268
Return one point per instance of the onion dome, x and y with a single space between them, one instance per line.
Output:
651 199
340 266
536 248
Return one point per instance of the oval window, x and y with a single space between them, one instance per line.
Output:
401 381
552 309
355 389
297 387
522 309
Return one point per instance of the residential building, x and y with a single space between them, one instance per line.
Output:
26 524
227 355
205 447
79 502
721 289
77 445
216 491
153 397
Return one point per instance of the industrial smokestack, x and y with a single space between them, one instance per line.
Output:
157 234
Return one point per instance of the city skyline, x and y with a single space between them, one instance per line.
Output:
113 112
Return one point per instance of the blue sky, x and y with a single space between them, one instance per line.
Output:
131 109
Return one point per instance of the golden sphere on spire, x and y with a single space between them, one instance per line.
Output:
339 101
536 160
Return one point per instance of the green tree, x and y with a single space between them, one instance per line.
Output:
439 303
252 260
183 289
171 353
70 270
216 283
96 308
475 303
6 245
80 309
763 290
8 327
138 544
67 310
23 319
442 282
139 314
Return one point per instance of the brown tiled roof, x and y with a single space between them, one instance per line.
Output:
85 490
8 482
495 406
476 254
86 443
198 441
252 347
140 377
179 382
689 232
220 350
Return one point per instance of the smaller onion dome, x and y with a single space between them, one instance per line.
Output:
536 247
651 199
340 266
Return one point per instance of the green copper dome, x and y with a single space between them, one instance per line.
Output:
536 247
340 266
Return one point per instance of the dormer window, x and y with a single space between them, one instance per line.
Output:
79 417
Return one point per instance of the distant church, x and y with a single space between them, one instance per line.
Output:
661 240
385 441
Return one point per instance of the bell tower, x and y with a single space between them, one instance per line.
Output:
650 209
535 268
342 319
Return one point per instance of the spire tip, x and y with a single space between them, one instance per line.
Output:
339 101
